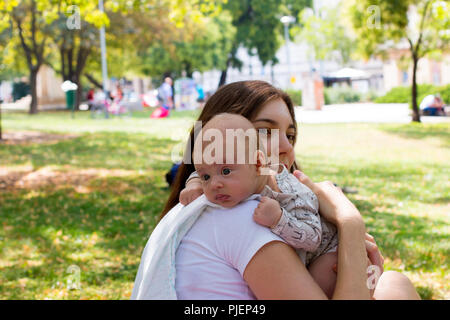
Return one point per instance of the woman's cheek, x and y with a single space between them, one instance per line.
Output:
291 158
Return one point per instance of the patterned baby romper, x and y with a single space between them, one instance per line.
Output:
300 224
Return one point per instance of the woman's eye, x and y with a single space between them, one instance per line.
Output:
205 177
291 138
226 171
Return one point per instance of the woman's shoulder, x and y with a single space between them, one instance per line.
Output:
243 210
237 224
236 236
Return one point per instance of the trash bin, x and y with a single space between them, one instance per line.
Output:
70 99
69 88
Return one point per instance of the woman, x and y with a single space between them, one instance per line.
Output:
211 246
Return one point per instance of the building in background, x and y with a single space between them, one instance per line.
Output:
292 76
429 71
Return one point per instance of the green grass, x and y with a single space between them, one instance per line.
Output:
100 223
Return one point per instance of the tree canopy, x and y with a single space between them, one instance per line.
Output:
383 25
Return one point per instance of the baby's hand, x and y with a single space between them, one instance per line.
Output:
192 191
268 212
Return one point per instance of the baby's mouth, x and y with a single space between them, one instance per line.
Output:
222 197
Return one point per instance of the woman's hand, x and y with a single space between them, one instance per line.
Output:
373 253
192 191
334 206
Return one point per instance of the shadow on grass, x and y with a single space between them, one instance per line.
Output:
421 131
412 239
396 180
122 221
99 150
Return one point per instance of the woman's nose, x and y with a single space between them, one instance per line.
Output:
285 146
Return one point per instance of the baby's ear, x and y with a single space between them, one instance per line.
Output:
260 160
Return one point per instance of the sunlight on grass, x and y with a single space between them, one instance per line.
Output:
91 200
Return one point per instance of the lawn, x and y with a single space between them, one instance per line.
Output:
76 210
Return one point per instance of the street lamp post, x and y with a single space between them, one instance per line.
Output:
1 101
103 51
286 20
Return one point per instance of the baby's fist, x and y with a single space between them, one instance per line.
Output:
267 213
190 193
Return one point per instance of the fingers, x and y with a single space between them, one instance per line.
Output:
374 254
370 238
183 199
303 178
187 196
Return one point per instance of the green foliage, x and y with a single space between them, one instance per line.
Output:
403 94
258 26
396 95
326 34
345 94
444 91
382 25
296 96
205 49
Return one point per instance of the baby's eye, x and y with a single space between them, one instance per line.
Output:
226 171
205 177
266 131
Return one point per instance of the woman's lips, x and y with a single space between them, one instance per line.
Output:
222 197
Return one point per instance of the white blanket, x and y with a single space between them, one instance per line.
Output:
156 274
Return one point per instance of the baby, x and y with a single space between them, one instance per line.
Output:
287 207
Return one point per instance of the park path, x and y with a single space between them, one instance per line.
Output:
362 112
335 113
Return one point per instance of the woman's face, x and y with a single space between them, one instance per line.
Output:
275 115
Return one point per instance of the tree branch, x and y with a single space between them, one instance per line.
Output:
93 81
424 16
25 47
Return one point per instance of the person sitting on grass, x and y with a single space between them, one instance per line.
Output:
432 105
287 207
225 254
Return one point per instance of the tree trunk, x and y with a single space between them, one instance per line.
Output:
79 94
1 102
223 78
33 88
223 75
416 114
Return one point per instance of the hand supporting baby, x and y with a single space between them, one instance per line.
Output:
268 212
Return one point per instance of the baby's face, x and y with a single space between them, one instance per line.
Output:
228 184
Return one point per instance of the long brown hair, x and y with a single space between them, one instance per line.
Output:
245 98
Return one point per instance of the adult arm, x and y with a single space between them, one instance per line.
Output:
373 253
288 278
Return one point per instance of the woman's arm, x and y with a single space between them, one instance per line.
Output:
276 273
351 280
288 277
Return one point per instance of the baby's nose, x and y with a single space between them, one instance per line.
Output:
216 183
